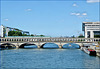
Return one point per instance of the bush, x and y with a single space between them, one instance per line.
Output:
80 36
97 36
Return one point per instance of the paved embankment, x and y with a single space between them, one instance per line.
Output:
98 51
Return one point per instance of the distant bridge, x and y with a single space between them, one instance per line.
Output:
40 41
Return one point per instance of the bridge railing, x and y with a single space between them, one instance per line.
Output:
49 39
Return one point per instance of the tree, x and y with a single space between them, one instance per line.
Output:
32 35
14 33
24 34
81 36
42 35
97 36
73 36
99 42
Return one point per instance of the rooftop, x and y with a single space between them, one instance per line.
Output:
15 29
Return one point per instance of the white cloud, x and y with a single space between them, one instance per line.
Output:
77 14
86 19
73 13
28 9
6 19
75 5
84 14
92 1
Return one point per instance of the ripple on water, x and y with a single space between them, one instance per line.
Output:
47 58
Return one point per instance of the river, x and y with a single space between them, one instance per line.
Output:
46 59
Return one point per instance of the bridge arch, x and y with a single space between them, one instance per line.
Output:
71 45
7 45
42 45
26 44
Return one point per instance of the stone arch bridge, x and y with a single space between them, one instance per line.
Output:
40 41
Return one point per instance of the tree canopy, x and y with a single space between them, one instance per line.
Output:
14 33
97 36
18 33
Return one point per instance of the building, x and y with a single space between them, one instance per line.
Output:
91 29
4 31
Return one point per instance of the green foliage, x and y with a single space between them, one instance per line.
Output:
99 42
79 40
96 36
80 36
14 33
42 35
17 33
73 36
32 35
24 35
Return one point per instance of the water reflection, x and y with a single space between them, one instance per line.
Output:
50 45
30 46
71 46
7 47
45 46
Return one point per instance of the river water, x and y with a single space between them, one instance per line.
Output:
47 58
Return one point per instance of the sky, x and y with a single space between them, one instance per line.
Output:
51 18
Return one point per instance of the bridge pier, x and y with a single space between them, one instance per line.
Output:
38 46
17 47
60 46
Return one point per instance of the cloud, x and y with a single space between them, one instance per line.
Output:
79 14
73 13
86 19
28 9
84 14
92 1
75 5
5 19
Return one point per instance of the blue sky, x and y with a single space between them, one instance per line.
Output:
51 18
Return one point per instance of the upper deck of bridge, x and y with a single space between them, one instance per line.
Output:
47 39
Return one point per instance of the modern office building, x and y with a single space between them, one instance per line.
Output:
4 31
91 29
